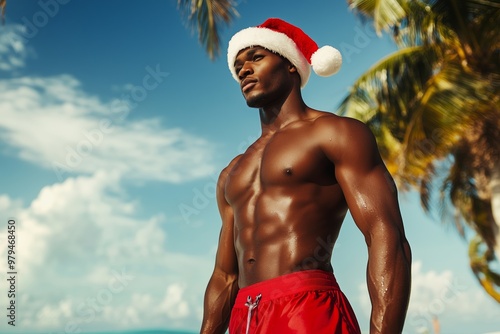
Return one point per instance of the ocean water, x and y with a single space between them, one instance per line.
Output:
144 332
150 331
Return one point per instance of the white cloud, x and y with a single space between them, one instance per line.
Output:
13 49
53 123
86 261
52 316
174 304
8 205
443 295
99 265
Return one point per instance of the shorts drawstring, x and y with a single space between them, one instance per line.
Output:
251 306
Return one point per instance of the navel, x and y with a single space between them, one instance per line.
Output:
251 261
288 171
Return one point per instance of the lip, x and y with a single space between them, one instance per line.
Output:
247 83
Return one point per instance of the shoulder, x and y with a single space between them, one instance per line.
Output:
343 130
221 182
340 126
341 136
227 170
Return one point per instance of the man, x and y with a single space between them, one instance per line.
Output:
282 203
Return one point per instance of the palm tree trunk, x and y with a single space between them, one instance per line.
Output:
495 206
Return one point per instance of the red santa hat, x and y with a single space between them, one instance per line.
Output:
290 42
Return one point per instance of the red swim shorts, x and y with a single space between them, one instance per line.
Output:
303 302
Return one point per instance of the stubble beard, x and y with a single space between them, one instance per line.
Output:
257 100
264 98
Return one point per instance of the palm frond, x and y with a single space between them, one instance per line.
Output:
487 54
456 190
384 98
438 119
385 13
422 27
460 187
208 17
381 89
465 18
425 188
480 260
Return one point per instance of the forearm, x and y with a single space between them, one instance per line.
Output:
219 299
389 283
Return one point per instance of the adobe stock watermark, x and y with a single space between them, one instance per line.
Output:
204 196
362 39
322 254
17 36
422 319
120 108
87 311
201 199
48 10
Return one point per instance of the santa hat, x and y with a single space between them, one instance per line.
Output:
290 42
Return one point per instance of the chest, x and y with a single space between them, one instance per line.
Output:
283 160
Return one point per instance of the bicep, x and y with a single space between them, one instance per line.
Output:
372 200
367 186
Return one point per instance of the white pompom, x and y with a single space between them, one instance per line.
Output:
326 61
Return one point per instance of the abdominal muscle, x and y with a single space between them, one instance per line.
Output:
279 234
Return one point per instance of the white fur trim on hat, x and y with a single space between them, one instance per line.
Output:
273 41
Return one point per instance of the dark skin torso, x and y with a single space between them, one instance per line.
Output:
285 196
283 201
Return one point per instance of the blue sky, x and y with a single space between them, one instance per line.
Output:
114 126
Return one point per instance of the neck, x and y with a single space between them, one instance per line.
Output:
279 115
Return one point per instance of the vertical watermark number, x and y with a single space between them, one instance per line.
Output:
11 272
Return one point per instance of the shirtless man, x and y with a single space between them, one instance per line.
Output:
288 194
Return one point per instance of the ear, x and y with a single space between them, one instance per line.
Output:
292 68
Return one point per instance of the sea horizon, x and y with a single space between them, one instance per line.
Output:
159 331
128 331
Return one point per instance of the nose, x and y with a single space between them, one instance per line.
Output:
245 70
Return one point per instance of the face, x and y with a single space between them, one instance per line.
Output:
265 77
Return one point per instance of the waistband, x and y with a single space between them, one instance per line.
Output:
296 282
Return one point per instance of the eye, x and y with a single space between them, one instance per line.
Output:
257 57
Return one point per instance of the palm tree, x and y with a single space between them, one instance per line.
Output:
207 16
434 106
